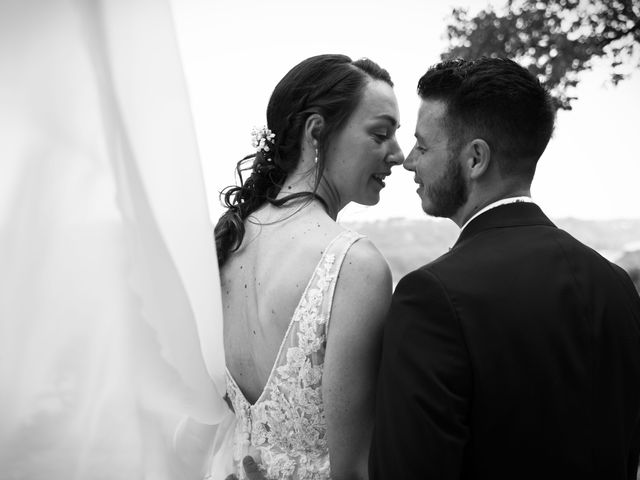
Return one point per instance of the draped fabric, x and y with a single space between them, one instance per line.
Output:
110 317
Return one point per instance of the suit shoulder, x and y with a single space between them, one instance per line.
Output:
424 276
421 304
423 288
577 252
572 245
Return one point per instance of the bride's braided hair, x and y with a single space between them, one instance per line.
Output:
328 85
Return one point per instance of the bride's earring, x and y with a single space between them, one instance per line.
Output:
315 160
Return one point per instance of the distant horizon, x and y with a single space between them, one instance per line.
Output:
358 214
373 219
438 219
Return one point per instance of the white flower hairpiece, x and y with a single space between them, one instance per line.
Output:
262 136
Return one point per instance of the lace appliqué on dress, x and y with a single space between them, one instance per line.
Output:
285 430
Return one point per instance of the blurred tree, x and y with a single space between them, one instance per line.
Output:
554 39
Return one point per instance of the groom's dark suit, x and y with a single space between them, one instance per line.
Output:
516 355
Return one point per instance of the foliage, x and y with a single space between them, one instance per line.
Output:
555 39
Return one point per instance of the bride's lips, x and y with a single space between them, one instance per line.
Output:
379 177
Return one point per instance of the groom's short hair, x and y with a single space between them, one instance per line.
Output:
497 100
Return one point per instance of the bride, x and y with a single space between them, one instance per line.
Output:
303 298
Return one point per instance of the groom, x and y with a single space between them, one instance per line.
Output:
517 353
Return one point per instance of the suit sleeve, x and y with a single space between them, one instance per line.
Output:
424 386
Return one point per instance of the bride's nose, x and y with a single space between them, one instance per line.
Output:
395 157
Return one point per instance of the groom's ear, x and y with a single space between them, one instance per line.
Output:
312 128
477 155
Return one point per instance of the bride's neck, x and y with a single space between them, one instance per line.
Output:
325 195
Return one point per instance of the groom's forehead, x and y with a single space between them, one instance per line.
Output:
432 109
431 116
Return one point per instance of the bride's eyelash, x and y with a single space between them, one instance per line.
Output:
380 137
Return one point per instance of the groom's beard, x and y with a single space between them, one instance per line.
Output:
448 193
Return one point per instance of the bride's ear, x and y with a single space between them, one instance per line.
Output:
313 126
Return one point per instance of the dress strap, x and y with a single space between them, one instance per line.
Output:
335 254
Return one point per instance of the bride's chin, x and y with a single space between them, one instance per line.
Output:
369 202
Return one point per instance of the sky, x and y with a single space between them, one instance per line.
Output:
235 51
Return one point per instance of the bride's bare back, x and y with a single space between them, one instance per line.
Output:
262 284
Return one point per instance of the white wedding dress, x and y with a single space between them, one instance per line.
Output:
285 429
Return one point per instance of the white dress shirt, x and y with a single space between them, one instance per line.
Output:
503 201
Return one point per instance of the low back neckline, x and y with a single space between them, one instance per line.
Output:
327 251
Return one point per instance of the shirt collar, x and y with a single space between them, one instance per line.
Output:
503 201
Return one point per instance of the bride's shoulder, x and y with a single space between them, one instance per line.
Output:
365 275
364 258
362 296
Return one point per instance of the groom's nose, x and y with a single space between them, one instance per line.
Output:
409 162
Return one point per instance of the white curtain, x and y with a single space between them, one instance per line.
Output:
110 318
